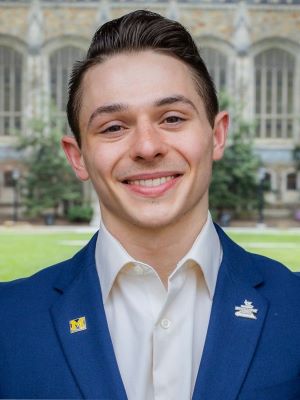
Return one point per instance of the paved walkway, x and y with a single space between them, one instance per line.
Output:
27 227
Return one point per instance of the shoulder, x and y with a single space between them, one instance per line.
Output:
279 280
37 288
276 278
43 286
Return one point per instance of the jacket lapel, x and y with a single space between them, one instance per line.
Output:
231 340
89 352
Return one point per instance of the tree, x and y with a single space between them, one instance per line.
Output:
234 184
49 181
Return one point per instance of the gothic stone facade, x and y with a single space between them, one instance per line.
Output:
252 49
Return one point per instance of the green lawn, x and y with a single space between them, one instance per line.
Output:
22 254
282 246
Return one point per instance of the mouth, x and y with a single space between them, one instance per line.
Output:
151 182
152 185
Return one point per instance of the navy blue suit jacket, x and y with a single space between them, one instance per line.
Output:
245 359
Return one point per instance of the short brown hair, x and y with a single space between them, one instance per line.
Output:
137 31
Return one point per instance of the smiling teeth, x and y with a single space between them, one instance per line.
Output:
151 182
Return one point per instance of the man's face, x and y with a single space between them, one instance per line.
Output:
147 144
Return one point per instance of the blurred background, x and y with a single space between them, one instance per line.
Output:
252 50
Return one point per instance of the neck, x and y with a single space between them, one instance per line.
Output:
161 248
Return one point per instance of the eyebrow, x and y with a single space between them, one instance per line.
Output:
175 99
107 109
119 107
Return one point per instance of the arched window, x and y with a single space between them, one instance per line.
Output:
291 181
61 63
217 65
274 98
268 181
10 91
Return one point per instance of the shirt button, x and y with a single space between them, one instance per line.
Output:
165 323
138 270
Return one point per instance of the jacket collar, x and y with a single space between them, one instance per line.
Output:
231 340
89 352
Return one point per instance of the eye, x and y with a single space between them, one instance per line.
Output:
173 119
113 129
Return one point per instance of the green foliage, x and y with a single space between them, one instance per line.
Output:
80 213
234 184
49 181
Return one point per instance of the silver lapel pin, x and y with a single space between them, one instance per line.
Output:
246 310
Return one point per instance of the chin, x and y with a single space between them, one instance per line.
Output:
157 221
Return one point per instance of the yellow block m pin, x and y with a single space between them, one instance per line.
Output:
77 325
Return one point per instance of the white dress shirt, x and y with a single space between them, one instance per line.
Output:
158 334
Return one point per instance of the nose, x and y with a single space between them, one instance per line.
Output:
148 143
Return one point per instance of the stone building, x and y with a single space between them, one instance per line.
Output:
252 49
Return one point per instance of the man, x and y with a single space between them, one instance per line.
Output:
161 304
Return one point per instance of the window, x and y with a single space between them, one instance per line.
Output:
8 179
217 66
61 63
267 182
274 94
291 181
10 91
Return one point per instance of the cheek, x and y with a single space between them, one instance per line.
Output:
102 161
196 152
96 164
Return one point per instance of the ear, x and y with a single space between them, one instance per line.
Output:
220 134
75 158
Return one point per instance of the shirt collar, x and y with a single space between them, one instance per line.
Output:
111 257
207 253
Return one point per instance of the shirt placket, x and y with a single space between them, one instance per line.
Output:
165 341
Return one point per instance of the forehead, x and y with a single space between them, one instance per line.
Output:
137 78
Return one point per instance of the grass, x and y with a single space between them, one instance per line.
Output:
22 254
282 246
